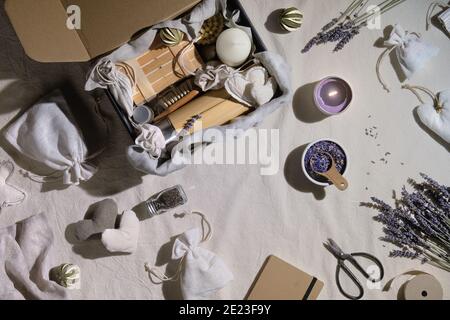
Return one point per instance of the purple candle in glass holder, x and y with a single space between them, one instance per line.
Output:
332 95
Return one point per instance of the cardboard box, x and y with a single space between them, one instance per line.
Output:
105 25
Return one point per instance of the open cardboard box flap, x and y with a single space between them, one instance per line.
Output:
105 25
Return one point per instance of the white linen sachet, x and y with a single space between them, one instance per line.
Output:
107 76
411 51
201 272
152 140
204 272
436 114
45 134
125 238
444 19
254 87
213 76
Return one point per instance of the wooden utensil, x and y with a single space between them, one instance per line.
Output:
177 105
333 175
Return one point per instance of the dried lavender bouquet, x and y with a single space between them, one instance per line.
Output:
419 224
343 29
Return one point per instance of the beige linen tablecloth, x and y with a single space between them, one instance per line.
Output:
253 215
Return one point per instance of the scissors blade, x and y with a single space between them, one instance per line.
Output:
332 246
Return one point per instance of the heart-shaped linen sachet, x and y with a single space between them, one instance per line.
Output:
124 239
103 221
253 88
104 216
437 117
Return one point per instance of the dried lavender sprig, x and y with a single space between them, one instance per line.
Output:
432 201
427 219
381 8
431 259
433 215
330 24
404 254
339 32
348 37
441 193
419 224
350 9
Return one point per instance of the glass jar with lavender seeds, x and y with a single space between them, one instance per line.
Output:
166 200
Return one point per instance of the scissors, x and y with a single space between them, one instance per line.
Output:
342 258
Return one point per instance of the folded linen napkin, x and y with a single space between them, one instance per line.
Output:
25 261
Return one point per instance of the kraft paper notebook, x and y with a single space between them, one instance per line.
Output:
279 280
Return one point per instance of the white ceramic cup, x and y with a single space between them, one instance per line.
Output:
322 184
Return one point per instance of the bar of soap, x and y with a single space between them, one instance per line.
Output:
233 47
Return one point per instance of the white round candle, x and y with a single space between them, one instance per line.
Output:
233 47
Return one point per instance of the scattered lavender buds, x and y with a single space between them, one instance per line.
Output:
372 132
419 224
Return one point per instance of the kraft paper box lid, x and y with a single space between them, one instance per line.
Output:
41 25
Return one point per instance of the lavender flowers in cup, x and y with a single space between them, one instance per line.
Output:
316 159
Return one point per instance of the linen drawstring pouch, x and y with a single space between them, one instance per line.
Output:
436 114
9 195
45 134
411 51
443 18
201 272
121 86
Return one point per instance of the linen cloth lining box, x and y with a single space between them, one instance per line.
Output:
244 20
177 154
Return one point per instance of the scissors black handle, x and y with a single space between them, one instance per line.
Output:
351 259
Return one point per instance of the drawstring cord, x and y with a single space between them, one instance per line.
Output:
50 178
414 89
57 174
380 60
7 204
206 236
181 57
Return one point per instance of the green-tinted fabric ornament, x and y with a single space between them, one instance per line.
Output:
171 37
68 275
291 19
